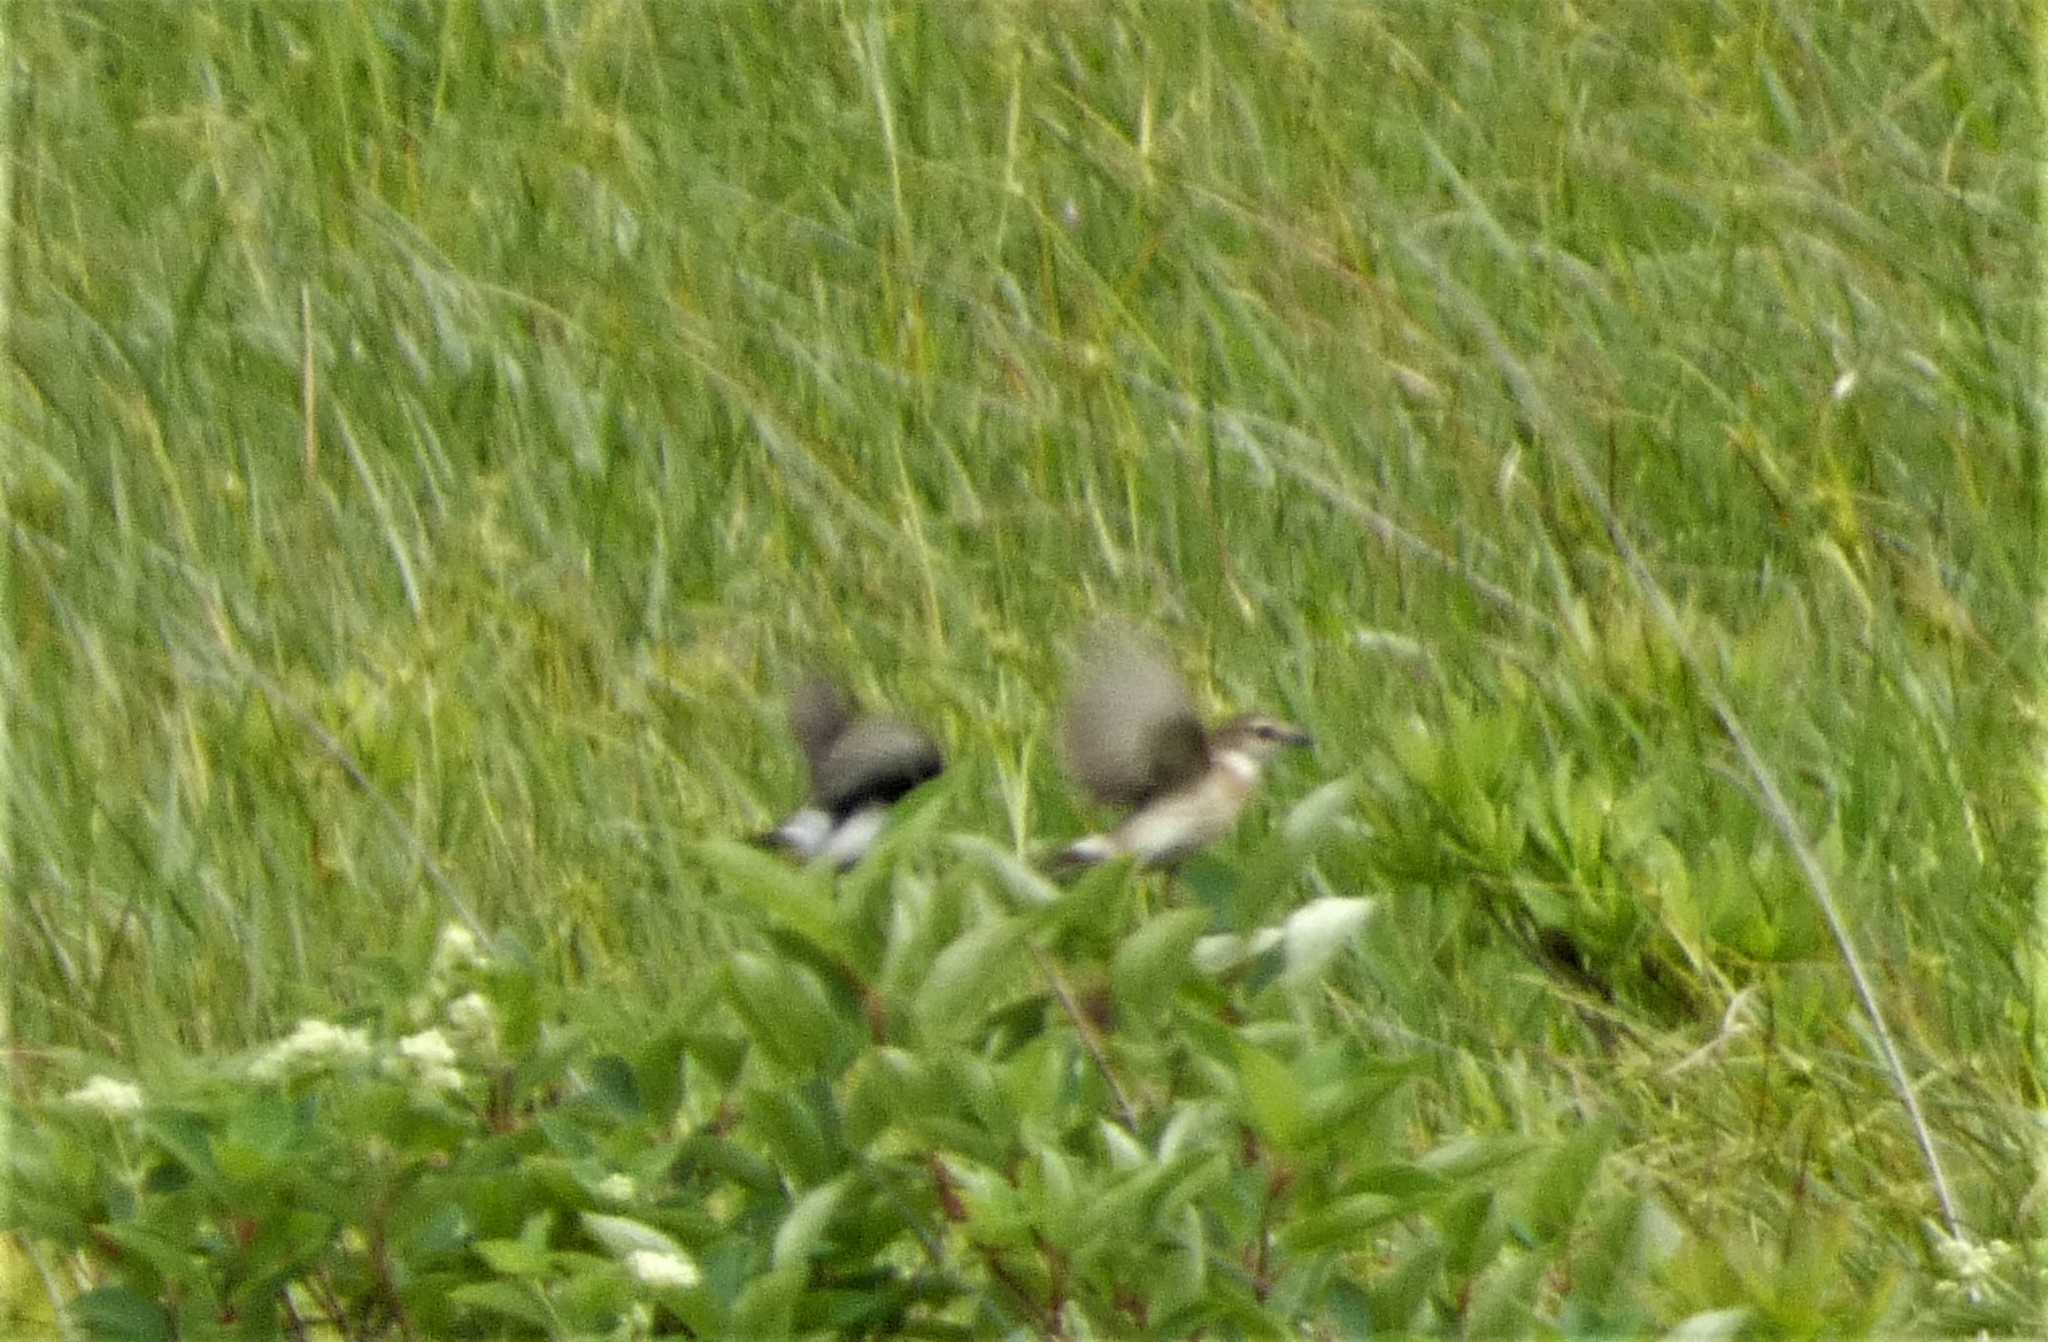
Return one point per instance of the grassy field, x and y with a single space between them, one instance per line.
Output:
438 434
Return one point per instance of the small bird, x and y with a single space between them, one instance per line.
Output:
1133 739
859 767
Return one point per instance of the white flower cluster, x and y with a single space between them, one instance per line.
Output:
663 1271
617 1188
113 1098
1970 1265
474 1022
315 1045
428 1059
456 951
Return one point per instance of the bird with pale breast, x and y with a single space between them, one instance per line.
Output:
860 765
1134 740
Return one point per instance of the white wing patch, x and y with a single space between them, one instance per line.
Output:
856 834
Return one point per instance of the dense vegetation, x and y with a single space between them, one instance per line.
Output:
438 434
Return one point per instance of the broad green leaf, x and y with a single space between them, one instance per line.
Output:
962 980
797 1238
767 1307
720 1055
1123 1150
912 823
613 1082
504 1298
1504 1300
119 1314
513 1257
1628 1238
1273 1098
996 1211
1348 1308
658 1072
567 1137
1344 1225
785 1124
1398 1296
1557 1191
786 1011
144 1248
621 1235
185 1138
1464 1157
1154 959
1473 1231
800 900
1399 1179
1027 889
1311 817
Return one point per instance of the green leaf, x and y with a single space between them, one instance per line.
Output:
1398 1296
1557 1191
185 1138
1093 910
1627 1238
1504 1301
146 1248
117 1312
961 982
786 1011
1473 1231
767 1307
567 1137
1343 1225
658 1072
801 1231
800 900
912 822
1154 960
514 1257
1027 889
1273 1098
503 1298
1314 815
720 1055
621 1235
613 1082
1464 1157
785 1124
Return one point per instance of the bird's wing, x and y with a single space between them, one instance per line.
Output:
819 713
874 762
1131 731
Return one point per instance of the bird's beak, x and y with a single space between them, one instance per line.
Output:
1295 736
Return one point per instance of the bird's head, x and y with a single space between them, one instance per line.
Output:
1257 737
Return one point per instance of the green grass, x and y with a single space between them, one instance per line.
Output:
496 403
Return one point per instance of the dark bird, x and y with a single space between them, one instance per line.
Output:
1133 740
859 767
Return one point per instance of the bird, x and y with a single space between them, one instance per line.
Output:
1133 740
859 764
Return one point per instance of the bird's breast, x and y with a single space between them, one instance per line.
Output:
1177 824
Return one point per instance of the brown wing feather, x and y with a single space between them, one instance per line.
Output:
1131 731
